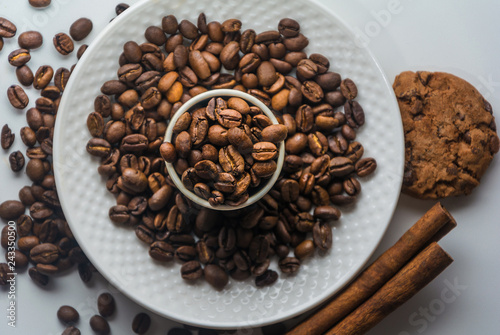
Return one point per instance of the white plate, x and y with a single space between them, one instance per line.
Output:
124 260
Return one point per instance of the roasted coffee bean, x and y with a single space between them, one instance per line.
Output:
120 8
17 97
106 304
354 114
289 265
263 151
134 143
6 235
80 29
240 140
63 44
19 57
44 253
40 3
326 213
24 224
24 75
348 89
290 190
259 249
67 314
1 43
365 166
155 35
7 137
231 160
162 251
185 253
95 124
141 323
26 243
191 270
312 91
274 133
38 277
61 78
229 55
268 37
5 274
322 236
30 40
269 277
7 28
307 69
304 249
11 210
288 27
340 166
98 147
99 325
144 234
16 160
71 330
215 276
188 29
81 51
43 77
183 144
119 214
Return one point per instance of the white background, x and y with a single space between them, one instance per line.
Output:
460 38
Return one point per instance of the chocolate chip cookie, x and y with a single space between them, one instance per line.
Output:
450 134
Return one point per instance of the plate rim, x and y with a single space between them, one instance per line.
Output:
301 308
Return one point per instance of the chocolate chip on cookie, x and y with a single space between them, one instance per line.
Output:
450 134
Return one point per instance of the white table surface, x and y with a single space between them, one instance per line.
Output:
456 37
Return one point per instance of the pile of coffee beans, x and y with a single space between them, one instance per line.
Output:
43 235
323 161
233 148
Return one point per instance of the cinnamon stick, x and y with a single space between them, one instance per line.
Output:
430 227
419 272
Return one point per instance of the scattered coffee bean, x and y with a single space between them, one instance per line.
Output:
71 330
7 137
120 8
30 40
16 160
24 75
6 274
19 57
99 325
81 50
141 323
67 314
80 29
63 44
17 97
38 277
7 28
11 210
106 304
40 3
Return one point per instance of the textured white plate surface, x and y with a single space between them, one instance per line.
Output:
124 260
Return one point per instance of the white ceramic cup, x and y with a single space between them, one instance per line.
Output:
202 99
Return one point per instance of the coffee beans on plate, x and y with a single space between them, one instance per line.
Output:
225 147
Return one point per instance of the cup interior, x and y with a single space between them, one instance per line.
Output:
202 100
